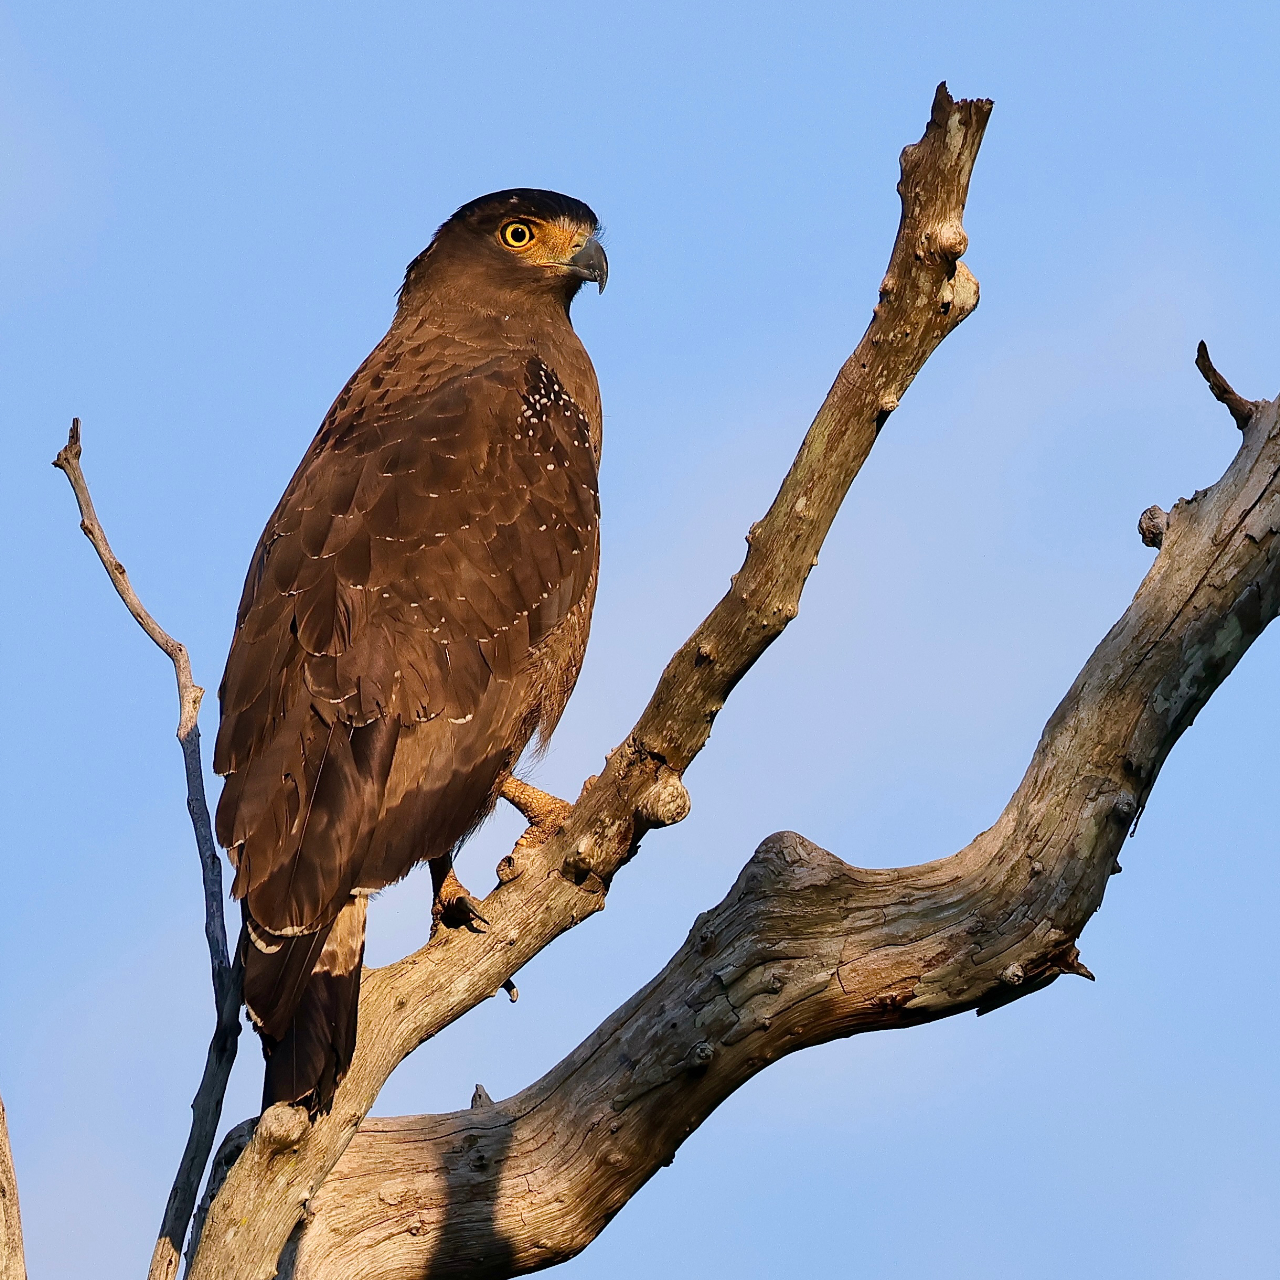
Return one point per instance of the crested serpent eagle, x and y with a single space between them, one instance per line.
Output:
416 610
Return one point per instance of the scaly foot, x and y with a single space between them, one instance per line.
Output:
544 813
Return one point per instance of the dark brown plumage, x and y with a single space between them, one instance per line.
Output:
417 608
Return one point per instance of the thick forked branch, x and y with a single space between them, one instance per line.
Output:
12 1261
207 1104
807 948
554 885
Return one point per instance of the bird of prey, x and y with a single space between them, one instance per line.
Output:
416 610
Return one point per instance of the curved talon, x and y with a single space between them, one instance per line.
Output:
466 903
463 910
512 990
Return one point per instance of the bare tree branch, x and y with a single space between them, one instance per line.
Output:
551 887
207 1104
12 1261
806 948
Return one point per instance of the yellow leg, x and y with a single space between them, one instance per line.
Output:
544 813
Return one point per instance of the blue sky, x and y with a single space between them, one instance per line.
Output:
204 219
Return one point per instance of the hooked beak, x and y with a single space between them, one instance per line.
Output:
589 263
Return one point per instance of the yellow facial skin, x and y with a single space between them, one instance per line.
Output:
543 244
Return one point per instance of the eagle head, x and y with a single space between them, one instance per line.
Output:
519 241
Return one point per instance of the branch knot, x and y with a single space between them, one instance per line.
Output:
1152 525
666 802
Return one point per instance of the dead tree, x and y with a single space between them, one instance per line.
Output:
805 948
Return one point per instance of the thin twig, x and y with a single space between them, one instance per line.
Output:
207 1105
189 697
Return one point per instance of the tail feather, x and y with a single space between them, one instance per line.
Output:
304 993
276 972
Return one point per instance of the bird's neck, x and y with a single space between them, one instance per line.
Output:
490 320
478 325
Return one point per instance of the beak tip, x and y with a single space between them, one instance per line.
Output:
591 264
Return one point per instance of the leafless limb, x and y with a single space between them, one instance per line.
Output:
12 1262
207 1105
549 887
806 948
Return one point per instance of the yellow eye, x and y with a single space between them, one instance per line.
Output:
517 235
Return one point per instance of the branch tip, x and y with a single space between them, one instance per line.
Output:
69 454
943 102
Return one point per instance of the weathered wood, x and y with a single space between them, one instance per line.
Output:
233 1143
553 886
12 1260
806 948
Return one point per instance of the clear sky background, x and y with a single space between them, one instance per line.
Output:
205 214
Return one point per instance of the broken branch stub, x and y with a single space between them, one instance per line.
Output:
1151 526
1241 410
561 882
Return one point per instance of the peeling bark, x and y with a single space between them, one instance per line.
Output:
806 948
